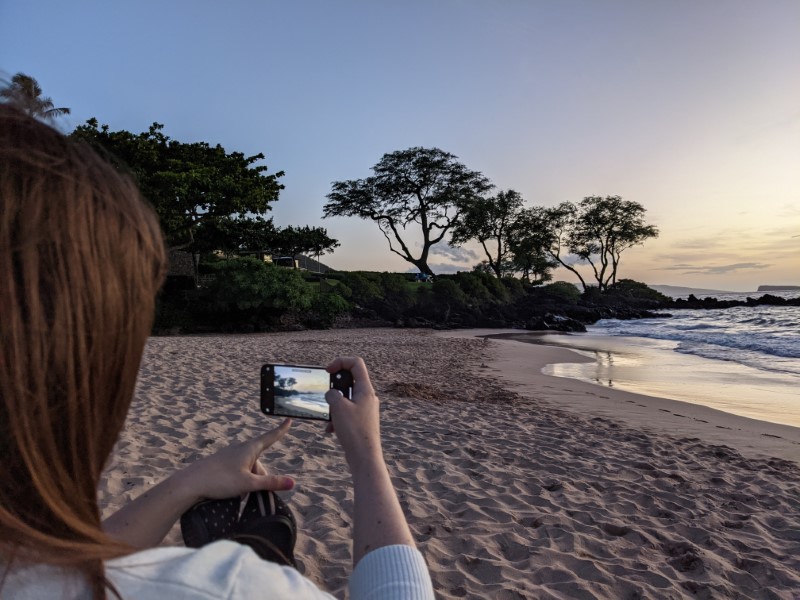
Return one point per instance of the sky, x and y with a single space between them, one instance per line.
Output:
689 108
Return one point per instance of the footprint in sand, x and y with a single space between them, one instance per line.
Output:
615 530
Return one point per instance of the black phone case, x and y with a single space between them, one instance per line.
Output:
342 381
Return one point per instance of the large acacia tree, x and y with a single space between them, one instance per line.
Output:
423 188
597 231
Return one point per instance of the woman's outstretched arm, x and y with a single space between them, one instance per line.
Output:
232 471
378 518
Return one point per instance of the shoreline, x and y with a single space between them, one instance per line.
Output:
520 364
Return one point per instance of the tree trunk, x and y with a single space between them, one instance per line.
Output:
423 267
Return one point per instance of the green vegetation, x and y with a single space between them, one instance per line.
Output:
206 197
565 290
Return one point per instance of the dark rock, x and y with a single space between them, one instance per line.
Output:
554 322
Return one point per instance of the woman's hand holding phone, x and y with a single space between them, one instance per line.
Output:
356 421
378 519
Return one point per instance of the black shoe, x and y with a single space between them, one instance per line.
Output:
266 518
209 521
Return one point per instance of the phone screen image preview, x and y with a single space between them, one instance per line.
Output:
300 392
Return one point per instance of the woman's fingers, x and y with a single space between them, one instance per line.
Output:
356 366
275 483
266 440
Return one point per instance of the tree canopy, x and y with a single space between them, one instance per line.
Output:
491 221
603 229
293 241
529 240
244 235
25 93
194 187
426 188
597 231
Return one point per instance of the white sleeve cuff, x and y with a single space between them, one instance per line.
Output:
391 573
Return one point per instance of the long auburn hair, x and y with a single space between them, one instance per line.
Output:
81 261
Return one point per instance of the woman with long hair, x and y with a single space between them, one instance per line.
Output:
81 261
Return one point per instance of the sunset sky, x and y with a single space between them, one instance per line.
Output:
690 108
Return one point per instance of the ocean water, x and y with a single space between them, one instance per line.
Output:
761 337
743 360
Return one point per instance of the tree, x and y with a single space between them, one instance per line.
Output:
25 93
529 242
242 235
293 241
554 226
423 186
597 231
283 386
603 229
320 243
490 221
194 187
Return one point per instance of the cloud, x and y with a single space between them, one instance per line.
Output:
462 255
443 268
703 243
715 270
790 210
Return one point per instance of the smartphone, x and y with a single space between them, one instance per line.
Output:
298 391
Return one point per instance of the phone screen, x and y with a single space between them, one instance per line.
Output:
300 392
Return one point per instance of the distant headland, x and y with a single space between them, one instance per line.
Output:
778 288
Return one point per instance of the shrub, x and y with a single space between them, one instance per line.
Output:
447 290
248 291
325 309
173 313
398 296
495 286
365 287
476 293
636 290
514 287
564 291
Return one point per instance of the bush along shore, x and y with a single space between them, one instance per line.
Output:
248 295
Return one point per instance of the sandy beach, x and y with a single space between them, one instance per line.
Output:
515 484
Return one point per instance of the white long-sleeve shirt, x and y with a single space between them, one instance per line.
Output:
225 570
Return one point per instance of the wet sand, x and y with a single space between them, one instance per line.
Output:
653 368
